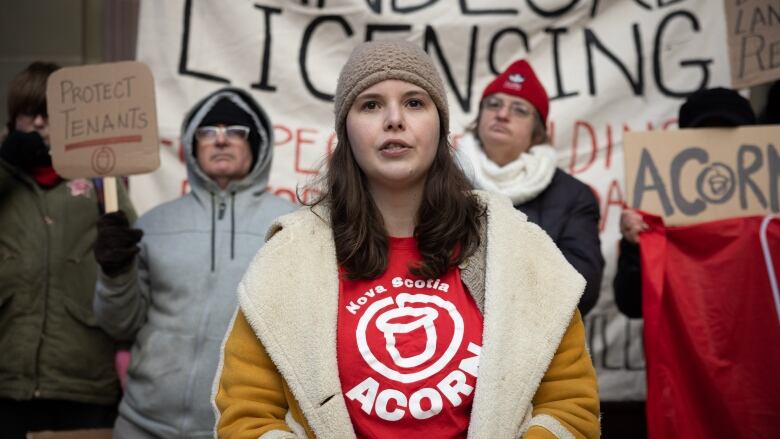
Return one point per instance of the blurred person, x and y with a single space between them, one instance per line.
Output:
707 108
507 151
169 284
57 368
771 113
401 304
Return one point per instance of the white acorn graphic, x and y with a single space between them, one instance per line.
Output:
426 321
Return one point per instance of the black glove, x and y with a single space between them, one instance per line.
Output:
25 150
116 244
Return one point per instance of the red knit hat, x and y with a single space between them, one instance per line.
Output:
521 81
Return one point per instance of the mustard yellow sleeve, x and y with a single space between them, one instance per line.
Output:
568 395
250 394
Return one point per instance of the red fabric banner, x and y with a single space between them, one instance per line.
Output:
712 328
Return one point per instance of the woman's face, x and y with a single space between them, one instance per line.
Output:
393 130
506 127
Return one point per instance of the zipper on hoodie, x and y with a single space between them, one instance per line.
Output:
222 207
232 225
215 216
218 208
213 225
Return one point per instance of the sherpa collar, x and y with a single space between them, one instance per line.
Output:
289 296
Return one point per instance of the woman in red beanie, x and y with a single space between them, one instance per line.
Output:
507 151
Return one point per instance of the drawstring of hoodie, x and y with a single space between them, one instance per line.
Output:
213 226
232 223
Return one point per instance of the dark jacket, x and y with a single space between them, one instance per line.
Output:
628 281
568 211
50 344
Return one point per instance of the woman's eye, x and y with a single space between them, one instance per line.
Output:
415 103
520 110
369 105
493 104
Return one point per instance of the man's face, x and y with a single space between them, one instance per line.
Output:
223 152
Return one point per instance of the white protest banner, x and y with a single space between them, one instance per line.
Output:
754 41
609 67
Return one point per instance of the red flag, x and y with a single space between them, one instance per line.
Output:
712 328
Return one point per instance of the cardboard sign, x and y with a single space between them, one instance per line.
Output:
697 175
102 120
103 433
754 41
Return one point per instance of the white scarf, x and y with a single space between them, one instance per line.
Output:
521 180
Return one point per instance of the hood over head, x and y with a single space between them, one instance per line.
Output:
230 106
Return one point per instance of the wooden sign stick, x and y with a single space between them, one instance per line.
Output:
109 194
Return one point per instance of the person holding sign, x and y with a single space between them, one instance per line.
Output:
507 151
57 366
707 108
401 303
168 285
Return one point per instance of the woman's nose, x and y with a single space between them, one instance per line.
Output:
395 119
503 112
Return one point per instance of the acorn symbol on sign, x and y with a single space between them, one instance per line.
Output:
103 160
718 182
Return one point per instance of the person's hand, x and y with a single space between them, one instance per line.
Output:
631 224
25 150
116 244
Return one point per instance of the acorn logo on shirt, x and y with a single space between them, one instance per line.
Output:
397 371
424 319
409 338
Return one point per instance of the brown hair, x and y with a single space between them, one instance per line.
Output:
538 135
27 91
448 219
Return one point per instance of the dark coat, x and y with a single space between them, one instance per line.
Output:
568 211
50 344
628 281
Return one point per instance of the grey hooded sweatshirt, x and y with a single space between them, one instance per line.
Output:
177 301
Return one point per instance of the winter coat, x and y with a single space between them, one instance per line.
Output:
177 301
279 376
628 280
50 344
568 211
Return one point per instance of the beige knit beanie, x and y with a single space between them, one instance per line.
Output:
375 61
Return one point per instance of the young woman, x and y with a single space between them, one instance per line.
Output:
507 151
402 304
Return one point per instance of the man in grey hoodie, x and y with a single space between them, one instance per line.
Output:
169 285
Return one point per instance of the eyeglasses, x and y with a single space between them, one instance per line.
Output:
495 104
209 134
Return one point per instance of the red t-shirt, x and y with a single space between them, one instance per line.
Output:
408 351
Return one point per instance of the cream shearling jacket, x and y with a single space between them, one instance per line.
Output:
278 375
